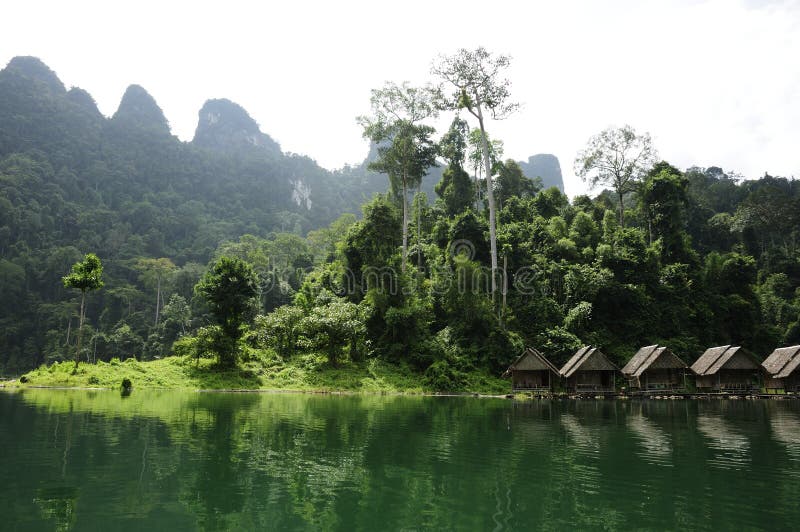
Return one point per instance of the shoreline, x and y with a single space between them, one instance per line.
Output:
16 385
695 396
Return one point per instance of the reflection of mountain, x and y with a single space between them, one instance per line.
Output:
732 448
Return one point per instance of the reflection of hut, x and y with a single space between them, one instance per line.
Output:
732 448
589 370
532 372
780 369
655 368
726 369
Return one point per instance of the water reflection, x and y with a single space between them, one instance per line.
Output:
580 435
655 443
785 427
275 462
732 449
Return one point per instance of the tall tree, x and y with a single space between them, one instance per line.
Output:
665 200
475 156
405 147
455 188
453 146
155 272
616 157
476 77
230 289
86 275
512 182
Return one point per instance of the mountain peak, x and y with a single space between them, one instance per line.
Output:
83 100
545 166
223 124
34 68
140 109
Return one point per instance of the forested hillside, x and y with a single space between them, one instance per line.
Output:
73 181
701 258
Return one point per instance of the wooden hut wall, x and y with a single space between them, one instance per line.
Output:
662 377
706 381
789 384
597 380
772 384
530 379
792 382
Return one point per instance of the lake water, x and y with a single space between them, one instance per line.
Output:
84 460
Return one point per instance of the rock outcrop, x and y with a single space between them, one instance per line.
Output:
226 126
546 167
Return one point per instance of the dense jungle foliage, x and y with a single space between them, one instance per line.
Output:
704 257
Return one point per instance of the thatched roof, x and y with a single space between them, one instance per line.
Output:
716 358
782 362
531 360
655 356
587 358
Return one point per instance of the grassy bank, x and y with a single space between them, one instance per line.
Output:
309 372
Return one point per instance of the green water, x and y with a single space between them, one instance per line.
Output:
77 460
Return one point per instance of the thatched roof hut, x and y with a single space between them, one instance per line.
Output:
780 368
531 371
589 370
726 369
655 367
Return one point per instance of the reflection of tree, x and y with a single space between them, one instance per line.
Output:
58 504
219 489
283 461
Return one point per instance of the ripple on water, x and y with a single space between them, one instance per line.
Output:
731 447
786 430
655 445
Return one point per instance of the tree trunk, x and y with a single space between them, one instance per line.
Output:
80 329
419 228
477 194
505 288
158 298
621 210
405 224
490 198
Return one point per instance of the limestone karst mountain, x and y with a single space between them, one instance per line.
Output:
225 125
545 166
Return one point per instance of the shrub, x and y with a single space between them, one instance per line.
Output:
443 376
186 346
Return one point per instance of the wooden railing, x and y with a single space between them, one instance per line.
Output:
738 387
540 388
593 388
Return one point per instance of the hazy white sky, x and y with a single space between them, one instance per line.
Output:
714 82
